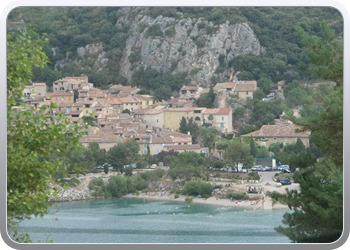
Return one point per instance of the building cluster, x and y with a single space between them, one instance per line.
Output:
119 113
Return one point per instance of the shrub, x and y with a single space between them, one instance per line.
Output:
189 199
70 182
237 196
142 27
95 183
205 196
200 25
218 186
171 32
176 196
154 30
137 193
177 191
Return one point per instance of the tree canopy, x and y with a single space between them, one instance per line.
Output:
31 136
317 210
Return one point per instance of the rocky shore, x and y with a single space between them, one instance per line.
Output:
80 191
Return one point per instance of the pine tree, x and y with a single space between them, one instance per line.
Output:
318 207
183 125
252 146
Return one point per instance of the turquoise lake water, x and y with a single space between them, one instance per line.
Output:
126 220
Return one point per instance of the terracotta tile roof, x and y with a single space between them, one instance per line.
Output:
75 82
189 88
116 86
39 84
245 87
97 94
128 100
124 88
181 139
112 115
99 138
143 97
224 111
278 131
225 85
177 134
64 105
78 112
211 111
63 94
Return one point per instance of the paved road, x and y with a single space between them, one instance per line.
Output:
267 177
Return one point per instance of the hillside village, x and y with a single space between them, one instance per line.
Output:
119 113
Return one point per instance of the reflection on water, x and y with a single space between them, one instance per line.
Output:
134 220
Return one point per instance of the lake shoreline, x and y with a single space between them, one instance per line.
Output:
227 203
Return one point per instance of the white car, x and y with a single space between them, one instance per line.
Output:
271 95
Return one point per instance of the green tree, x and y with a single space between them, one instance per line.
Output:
252 146
209 137
183 126
123 154
28 179
106 168
236 152
187 165
318 208
128 171
258 94
275 147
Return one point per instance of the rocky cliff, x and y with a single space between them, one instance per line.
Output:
185 44
172 44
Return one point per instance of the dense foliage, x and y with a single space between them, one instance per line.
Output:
317 210
30 137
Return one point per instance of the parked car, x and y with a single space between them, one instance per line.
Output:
285 182
257 168
266 168
283 167
133 165
224 169
282 179
286 170
274 168
271 95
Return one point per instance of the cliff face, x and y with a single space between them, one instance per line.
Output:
191 48
172 44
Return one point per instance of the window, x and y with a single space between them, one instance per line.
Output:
87 111
222 125
161 145
38 88
169 118
157 120
107 145
145 151
145 145
77 109
222 118
275 139
62 98
56 98
157 151
70 98
263 144
246 93
146 102
180 118
154 145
